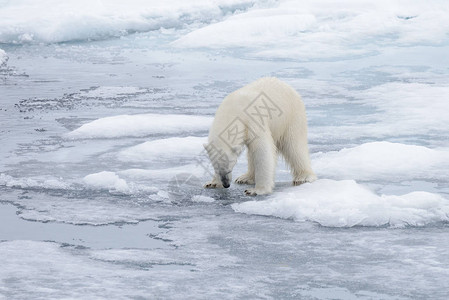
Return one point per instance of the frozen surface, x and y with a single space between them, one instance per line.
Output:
346 204
384 160
182 148
200 198
324 29
52 21
140 126
106 180
103 113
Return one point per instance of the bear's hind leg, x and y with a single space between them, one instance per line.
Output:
248 177
296 152
264 157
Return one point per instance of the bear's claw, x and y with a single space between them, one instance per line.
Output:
244 179
251 192
255 191
213 185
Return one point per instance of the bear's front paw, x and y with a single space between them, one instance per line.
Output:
255 191
212 185
304 178
244 179
250 192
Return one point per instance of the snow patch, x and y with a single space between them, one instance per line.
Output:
179 148
140 125
165 174
321 29
346 204
201 198
396 109
52 21
106 180
27 183
409 107
383 160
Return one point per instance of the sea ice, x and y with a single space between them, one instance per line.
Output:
395 109
171 148
106 180
345 203
44 182
309 30
408 108
140 126
145 77
201 198
165 174
112 91
51 21
383 160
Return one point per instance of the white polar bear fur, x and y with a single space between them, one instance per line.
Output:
285 134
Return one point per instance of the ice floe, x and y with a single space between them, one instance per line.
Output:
395 109
317 29
107 180
383 160
140 125
201 198
346 204
409 108
165 173
51 21
170 148
34 182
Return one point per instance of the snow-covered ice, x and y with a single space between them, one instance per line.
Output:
105 105
384 160
346 204
200 198
179 148
106 180
140 126
33 182
51 21
164 174
325 29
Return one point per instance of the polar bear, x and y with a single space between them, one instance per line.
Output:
268 117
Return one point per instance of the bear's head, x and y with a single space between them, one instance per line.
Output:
223 159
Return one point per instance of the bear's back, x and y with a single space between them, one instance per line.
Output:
275 90
265 105
267 93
